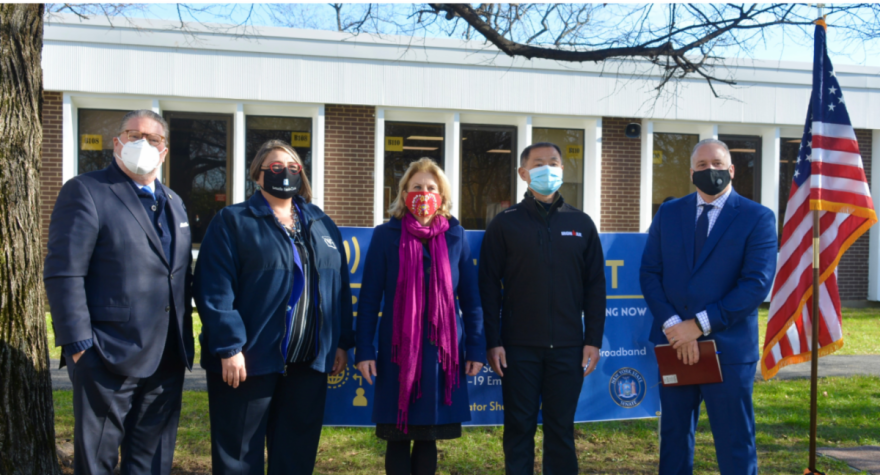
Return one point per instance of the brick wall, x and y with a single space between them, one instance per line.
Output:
852 273
50 172
349 134
621 175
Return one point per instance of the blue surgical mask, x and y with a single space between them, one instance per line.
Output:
545 179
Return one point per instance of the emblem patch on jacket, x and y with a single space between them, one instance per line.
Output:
572 233
329 242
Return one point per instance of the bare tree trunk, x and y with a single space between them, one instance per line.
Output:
27 426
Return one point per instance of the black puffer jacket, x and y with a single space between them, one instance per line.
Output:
553 274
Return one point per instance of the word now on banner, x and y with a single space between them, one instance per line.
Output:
624 386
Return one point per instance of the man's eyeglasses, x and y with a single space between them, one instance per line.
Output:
278 167
155 140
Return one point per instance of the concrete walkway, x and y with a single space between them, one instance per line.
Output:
828 366
832 365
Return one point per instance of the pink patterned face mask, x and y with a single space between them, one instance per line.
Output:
423 204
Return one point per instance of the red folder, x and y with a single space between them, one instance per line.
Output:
675 373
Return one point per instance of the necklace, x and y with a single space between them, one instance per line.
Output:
292 228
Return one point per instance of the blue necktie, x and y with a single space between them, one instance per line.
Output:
702 230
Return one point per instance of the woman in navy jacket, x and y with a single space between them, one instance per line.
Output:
271 286
425 346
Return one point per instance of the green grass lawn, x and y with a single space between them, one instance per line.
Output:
848 417
861 328
861 331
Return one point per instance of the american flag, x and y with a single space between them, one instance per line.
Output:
828 177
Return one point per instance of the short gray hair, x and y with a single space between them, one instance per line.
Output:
145 113
710 142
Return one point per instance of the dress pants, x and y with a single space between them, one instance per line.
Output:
137 415
283 413
731 415
554 376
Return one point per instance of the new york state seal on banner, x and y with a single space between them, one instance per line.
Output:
627 387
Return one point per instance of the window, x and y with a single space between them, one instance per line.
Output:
745 152
788 156
95 138
488 173
293 130
671 167
404 144
571 141
198 160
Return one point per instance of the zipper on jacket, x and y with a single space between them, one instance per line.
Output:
310 247
287 318
550 293
319 313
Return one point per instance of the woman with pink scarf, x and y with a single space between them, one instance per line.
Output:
419 262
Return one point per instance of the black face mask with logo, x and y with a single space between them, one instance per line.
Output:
283 185
711 181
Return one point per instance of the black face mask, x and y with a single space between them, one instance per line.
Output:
284 184
711 181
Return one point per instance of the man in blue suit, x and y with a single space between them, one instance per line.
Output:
118 279
707 266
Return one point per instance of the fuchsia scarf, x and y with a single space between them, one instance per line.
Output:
409 311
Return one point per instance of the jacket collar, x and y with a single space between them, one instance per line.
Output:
121 186
257 204
725 218
532 203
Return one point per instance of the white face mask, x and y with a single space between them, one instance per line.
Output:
140 157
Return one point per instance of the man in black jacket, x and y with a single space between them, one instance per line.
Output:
549 259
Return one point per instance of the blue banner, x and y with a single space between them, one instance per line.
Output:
624 386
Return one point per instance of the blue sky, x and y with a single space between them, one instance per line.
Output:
322 16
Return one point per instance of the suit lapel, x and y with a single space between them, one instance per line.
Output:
689 228
126 194
728 214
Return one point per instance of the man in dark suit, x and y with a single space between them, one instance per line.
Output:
118 279
707 266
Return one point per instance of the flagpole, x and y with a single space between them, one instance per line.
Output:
814 317
814 363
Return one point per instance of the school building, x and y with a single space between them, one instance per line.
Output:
358 109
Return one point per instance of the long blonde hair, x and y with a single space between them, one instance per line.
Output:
398 207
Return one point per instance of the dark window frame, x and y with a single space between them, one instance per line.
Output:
79 123
441 163
759 158
310 166
583 158
514 149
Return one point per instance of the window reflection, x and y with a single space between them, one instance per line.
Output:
95 138
488 165
788 156
404 144
671 167
293 130
198 161
745 153
571 141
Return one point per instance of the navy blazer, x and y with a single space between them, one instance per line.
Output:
107 277
729 279
381 269
244 278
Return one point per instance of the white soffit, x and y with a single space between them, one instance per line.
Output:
312 66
